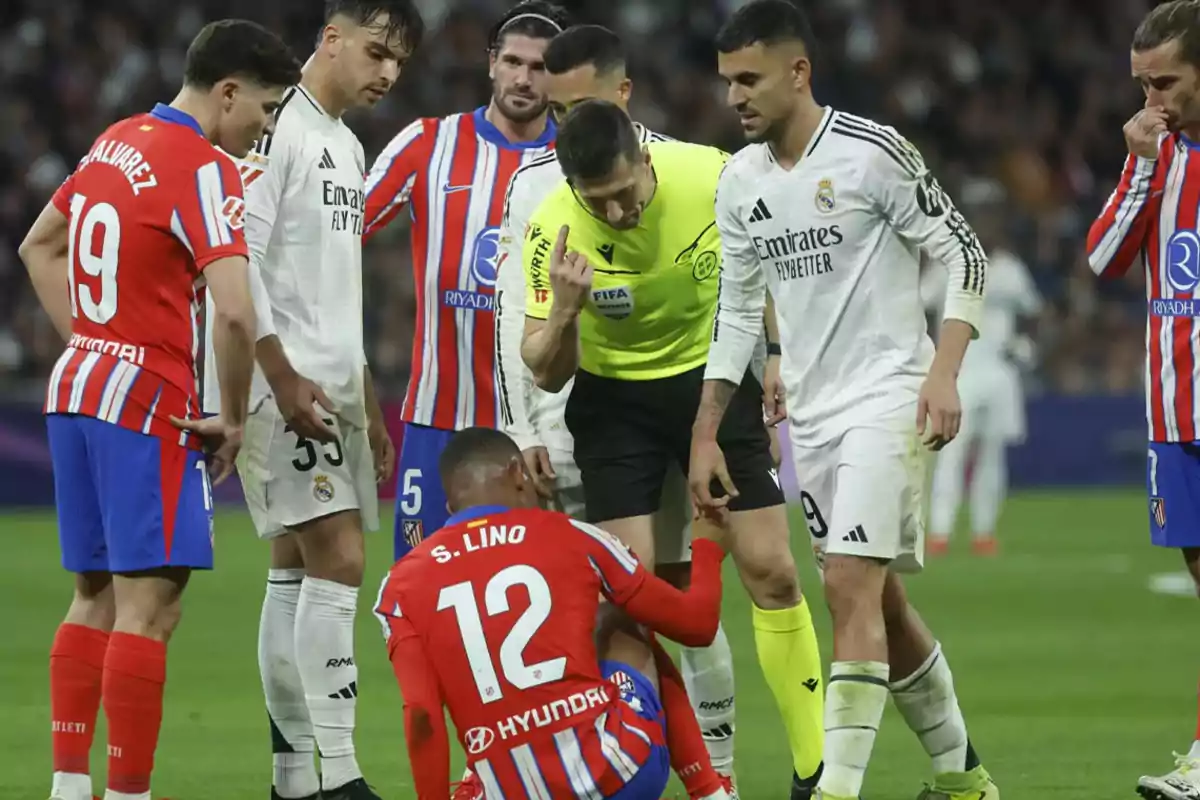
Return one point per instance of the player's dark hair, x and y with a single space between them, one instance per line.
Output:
404 20
592 136
231 48
536 19
1177 20
472 447
581 45
766 22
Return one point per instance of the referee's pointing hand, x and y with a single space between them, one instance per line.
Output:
570 275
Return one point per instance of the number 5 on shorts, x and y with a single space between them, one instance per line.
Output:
410 494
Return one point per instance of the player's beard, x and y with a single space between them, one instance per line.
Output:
534 108
772 133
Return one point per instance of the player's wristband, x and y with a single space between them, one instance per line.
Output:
773 349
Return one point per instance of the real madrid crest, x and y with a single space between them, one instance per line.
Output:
824 199
322 488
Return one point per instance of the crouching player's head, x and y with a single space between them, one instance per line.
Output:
481 467
605 163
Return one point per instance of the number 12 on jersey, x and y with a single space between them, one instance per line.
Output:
461 599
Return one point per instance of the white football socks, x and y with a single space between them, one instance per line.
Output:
71 786
854 702
295 773
708 676
325 657
927 701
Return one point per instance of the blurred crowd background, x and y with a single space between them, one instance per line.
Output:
1017 106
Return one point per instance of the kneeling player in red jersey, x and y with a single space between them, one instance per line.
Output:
119 259
496 618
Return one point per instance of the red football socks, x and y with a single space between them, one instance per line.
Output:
135 670
76 669
689 757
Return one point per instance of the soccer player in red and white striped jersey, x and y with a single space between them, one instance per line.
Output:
1153 217
120 259
557 701
453 173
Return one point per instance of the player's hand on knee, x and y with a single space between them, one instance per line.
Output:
1143 131
939 413
383 450
708 466
570 275
537 461
222 442
302 403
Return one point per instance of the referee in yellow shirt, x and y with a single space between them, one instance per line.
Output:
622 263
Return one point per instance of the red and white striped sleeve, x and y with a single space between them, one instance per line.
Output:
1118 235
390 181
209 215
689 617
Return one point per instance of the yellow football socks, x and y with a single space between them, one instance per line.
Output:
791 664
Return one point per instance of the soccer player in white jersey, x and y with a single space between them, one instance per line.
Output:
989 383
586 62
828 212
315 441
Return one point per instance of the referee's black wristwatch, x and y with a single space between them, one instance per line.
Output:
773 349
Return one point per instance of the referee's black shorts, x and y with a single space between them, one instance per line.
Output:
628 432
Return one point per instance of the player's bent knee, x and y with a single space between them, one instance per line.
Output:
93 604
149 603
333 548
771 583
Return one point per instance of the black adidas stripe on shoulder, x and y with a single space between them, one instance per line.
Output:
888 141
650 137
263 146
540 161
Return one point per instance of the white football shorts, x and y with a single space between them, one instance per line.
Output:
289 480
863 494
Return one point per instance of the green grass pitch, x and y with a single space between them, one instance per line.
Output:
1073 676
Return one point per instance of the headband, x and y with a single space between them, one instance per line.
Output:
530 15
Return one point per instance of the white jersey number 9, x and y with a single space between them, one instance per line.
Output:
95 239
461 598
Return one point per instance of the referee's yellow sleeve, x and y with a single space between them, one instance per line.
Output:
536 261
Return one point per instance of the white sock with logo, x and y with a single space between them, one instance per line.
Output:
71 786
708 676
295 771
325 657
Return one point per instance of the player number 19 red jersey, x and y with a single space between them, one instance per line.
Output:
149 207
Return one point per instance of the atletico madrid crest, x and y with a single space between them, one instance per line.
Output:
1158 510
414 532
